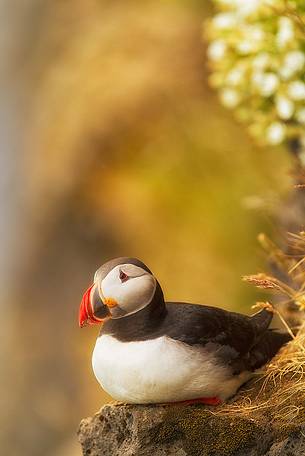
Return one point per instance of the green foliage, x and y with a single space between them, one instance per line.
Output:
257 57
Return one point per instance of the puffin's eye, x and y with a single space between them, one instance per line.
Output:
123 276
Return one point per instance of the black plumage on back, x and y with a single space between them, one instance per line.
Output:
243 342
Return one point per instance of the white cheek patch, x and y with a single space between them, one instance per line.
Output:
133 294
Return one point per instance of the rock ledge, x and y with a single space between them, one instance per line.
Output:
197 430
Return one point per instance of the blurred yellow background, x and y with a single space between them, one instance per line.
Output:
112 144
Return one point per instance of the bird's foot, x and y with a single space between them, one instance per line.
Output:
209 400
201 400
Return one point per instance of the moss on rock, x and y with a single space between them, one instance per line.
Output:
205 433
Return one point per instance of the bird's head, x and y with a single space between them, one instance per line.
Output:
121 287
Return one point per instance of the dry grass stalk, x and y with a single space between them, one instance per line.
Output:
280 392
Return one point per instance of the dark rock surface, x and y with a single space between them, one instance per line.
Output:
134 430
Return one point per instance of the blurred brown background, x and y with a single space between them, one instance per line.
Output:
112 144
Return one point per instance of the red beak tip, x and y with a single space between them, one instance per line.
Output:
83 321
86 314
83 316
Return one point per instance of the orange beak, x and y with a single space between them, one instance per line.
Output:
92 310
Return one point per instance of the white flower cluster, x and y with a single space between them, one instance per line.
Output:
257 55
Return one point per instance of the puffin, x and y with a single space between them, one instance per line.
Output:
151 351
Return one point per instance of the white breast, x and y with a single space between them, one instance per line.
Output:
160 370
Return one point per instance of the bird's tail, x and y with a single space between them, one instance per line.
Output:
267 347
261 320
